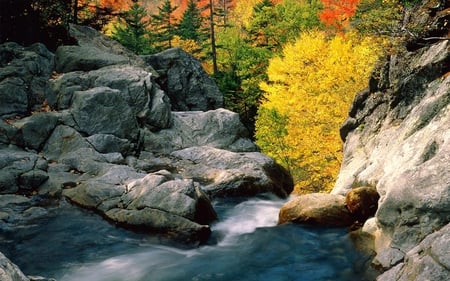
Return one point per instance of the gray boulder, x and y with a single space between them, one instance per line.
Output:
21 170
34 130
156 202
185 81
102 110
24 72
149 104
226 173
9 271
94 50
218 128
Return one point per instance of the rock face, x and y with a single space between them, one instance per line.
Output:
397 138
185 81
92 124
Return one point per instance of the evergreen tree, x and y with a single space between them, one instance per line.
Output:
131 31
191 23
164 24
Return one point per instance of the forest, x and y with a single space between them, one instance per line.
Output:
290 68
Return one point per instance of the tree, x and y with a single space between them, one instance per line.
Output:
191 23
312 85
247 47
47 21
131 30
164 24
337 13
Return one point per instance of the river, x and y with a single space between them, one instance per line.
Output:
246 244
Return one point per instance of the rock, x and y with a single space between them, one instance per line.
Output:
10 271
156 202
226 173
182 77
399 141
31 180
96 111
62 141
84 58
362 202
94 51
106 143
149 104
219 128
316 209
20 170
24 72
430 260
35 129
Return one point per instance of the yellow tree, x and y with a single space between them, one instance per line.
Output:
312 85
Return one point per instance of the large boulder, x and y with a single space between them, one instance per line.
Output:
397 138
316 209
218 128
149 104
156 202
24 72
102 110
185 81
94 51
226 173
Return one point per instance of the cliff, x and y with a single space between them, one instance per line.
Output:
397 139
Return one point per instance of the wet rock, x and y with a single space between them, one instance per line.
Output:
9 271
316 209
156 202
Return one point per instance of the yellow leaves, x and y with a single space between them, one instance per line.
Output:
313 84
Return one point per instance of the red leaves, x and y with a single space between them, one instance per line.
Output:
337 13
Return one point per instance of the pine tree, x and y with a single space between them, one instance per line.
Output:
191 23
131 31
164 24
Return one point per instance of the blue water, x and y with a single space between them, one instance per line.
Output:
246 244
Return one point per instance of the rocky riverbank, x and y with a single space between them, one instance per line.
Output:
143 142
397 141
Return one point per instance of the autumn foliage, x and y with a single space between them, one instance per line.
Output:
306 99
337 13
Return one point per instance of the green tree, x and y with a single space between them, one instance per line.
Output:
164 25
190 25
131 30
247 47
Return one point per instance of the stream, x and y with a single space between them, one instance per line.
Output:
77 245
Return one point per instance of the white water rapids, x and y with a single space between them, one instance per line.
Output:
246 245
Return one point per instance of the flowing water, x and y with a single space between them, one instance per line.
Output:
246 244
